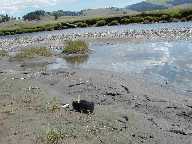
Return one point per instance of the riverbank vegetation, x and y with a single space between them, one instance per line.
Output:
76 47
33 52
169 15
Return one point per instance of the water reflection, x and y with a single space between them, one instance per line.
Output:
76 60
170 61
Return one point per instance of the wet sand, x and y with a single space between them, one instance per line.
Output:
128 109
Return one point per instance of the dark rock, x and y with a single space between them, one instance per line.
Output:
112 93
178 132
126 118
81 83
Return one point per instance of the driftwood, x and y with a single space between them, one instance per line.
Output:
83 106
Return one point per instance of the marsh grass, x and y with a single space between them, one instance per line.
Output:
75 47
3 53
53 136
33 52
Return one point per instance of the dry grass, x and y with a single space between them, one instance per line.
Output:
33 52
53 136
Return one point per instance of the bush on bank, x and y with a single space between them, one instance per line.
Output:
81 24
114 22
100 23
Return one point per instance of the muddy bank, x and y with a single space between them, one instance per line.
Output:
128 109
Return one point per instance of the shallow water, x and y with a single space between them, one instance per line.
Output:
159 60
163 61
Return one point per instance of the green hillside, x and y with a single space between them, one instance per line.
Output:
159 1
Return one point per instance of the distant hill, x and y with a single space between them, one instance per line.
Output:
106 12
149 5
37 15
146 6
178 2
64 13
100 12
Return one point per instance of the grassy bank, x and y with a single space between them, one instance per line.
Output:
169 15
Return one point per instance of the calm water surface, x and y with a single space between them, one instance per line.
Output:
161 61
155 60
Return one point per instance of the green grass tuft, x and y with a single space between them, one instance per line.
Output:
76 47
33 52
54 136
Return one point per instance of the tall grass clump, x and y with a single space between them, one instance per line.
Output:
33 52
75 47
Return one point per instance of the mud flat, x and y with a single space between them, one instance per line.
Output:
128 110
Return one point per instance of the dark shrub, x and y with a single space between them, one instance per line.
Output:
100 23
67 25
81 24
149 18
125 21
189 17
1 33
91 21
136 19
7 33
58 26
114 22
165 17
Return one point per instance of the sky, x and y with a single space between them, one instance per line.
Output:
21 7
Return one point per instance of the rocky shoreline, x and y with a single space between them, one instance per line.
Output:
56 41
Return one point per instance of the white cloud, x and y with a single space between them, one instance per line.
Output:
12 6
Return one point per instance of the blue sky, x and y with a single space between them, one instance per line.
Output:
20 7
